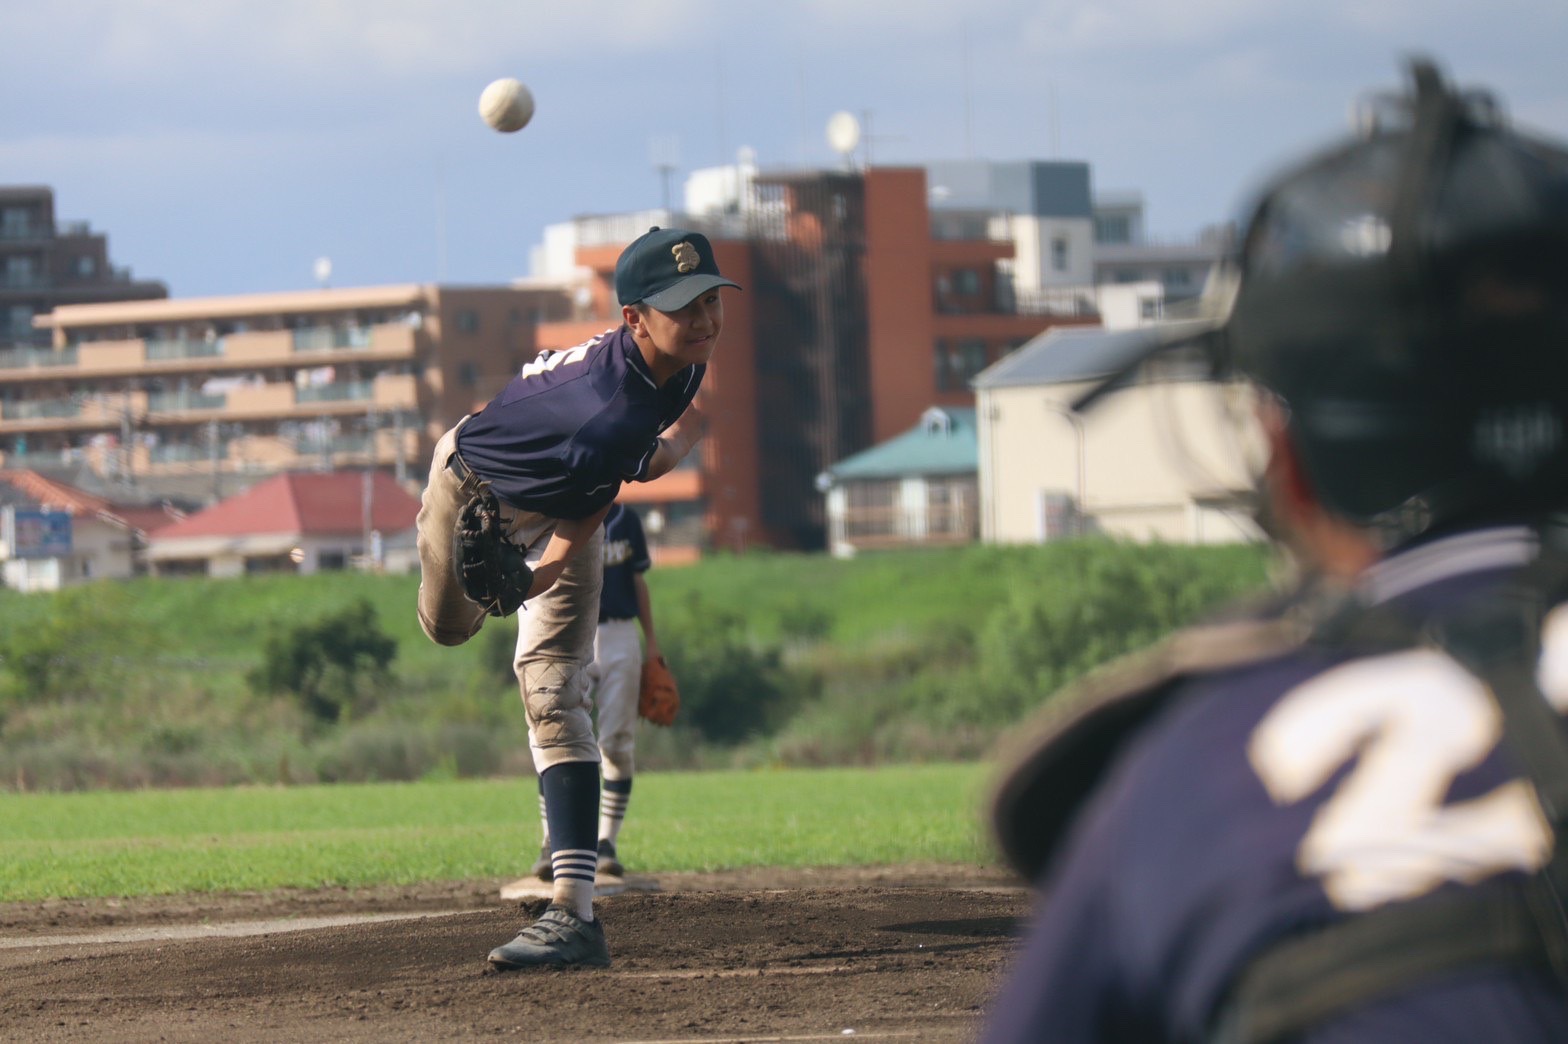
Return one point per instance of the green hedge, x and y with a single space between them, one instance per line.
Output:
782 658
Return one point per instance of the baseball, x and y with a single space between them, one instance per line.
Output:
506 105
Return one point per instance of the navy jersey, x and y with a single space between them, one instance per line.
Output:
1288 794
573 425
625 555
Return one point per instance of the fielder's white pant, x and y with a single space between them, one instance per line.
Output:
556 630
616 676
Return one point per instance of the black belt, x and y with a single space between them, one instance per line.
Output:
465 474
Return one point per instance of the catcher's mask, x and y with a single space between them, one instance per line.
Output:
1404 296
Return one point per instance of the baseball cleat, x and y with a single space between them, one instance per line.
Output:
543 869
558 939
609 865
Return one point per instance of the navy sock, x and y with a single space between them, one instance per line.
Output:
571 801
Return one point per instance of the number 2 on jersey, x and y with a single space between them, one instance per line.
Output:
1412 721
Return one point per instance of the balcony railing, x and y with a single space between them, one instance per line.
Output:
174 402
42 458
36 358
1066 300
336 391
184 348
42 409
936 523
329 338
183 453
27 230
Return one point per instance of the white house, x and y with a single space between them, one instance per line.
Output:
1159 460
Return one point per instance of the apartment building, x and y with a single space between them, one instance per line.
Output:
198 398
45 263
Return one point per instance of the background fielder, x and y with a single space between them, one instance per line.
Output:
615 677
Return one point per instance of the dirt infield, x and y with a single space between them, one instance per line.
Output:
910 953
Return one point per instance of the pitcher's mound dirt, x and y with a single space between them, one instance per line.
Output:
910 953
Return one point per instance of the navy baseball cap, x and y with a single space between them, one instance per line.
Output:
667 268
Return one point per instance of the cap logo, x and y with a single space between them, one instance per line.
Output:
686 258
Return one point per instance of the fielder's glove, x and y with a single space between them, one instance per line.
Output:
658 699
492 570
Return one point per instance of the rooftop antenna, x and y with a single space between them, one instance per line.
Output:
664 153
440 225
1056 125
969 130
844 136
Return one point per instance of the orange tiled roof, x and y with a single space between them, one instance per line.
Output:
52 494
319 503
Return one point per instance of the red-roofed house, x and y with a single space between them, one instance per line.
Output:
301 522
53 534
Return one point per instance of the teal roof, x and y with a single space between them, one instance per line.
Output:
943 443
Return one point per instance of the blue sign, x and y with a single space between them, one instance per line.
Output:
39 534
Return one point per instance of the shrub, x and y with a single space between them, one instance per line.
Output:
79 642
332 664
731 689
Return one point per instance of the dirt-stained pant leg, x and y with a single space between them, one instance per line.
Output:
617 673
554 646
447 615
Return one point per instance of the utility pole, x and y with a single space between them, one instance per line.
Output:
127 461
213 459
368 487
402 455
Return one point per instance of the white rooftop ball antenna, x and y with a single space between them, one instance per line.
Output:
844 136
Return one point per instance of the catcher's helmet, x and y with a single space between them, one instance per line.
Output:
1406 296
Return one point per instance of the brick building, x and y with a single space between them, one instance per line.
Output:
859 313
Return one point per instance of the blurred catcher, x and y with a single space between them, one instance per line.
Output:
1344 816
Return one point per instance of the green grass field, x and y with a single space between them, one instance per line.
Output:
243 839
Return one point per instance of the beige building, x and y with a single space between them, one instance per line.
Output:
1157 461
200 397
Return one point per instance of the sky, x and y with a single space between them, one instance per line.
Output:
225 145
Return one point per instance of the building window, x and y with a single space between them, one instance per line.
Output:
467 321
86 266
14 223
19 271
971 360
957 364
19 322
468 374
1149 308
1059 253
966 282
1112 228
1177 277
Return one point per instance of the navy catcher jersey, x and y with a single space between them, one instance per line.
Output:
1289 794
573 425
625 555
